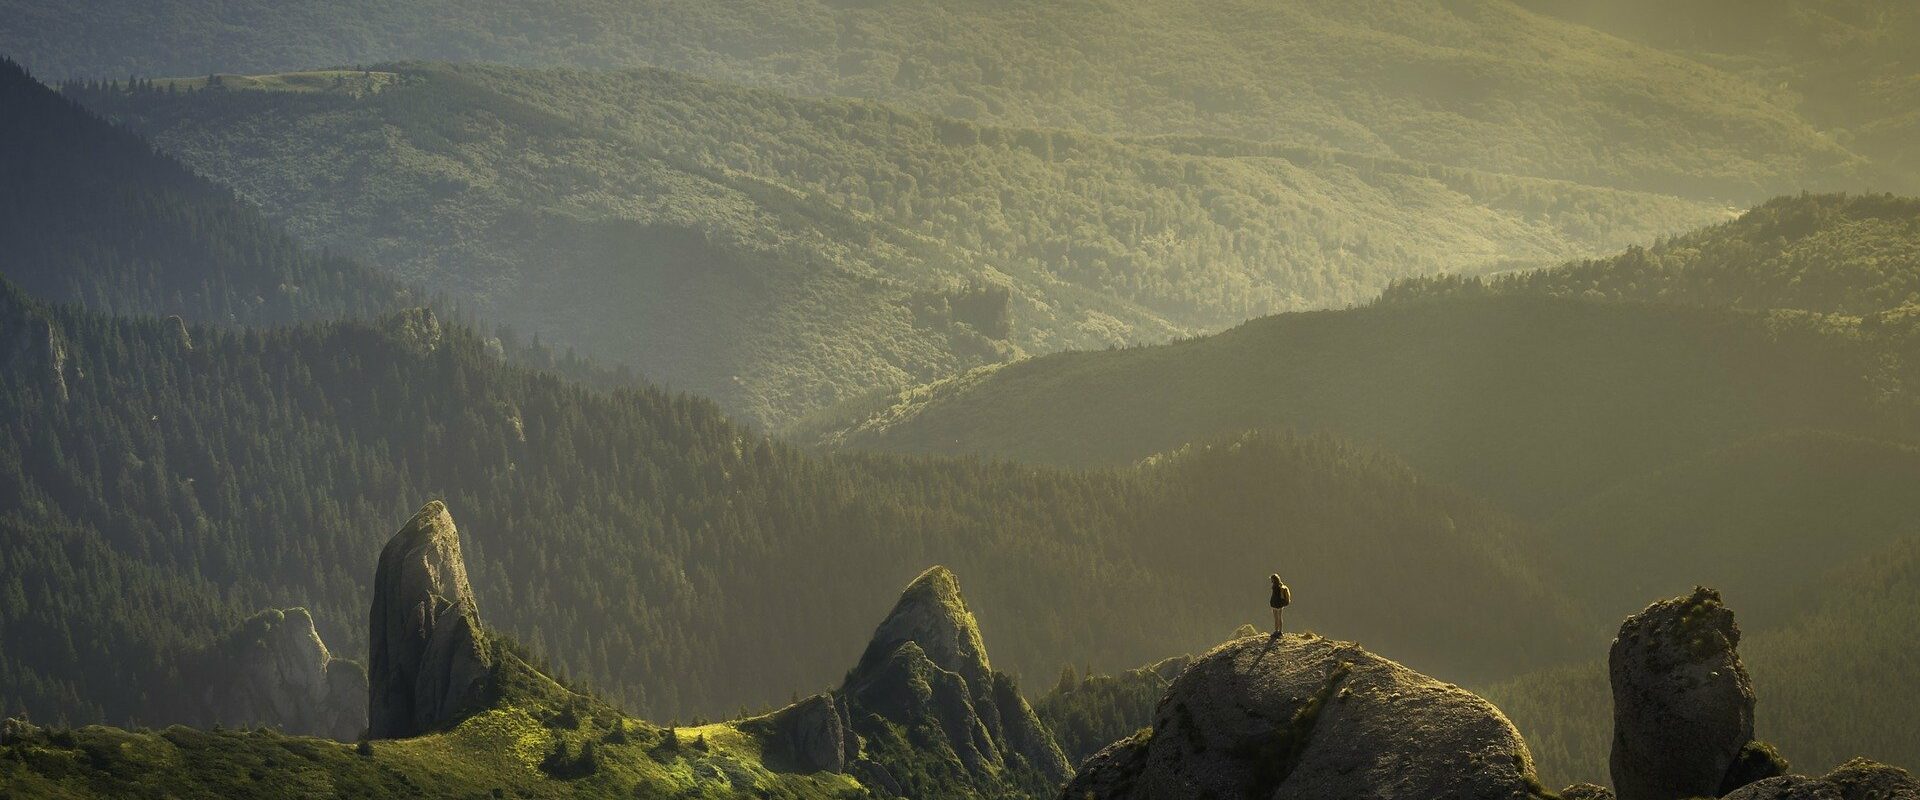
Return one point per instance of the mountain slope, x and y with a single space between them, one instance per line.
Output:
1479 84
1535 402
780 254
1763 521
649 545
90 213
1847 66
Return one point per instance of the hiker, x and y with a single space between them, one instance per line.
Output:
1282 597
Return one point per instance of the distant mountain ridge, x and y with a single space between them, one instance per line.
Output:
1484 84
780 254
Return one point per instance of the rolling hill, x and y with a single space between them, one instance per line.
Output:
1534 402
1483 84
1853 255
781 254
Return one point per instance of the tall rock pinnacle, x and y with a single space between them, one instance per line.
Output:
926 668
1682 703
427 654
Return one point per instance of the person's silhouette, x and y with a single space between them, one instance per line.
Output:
1281 598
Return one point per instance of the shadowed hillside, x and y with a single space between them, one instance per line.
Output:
1535 402
90 213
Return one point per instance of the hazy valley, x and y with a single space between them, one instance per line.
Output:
1486 324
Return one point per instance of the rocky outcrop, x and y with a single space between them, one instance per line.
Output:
926 670
428 660
1586 791
1301 717
1859 779
809 736
178 327
274 670
34 346
1682 702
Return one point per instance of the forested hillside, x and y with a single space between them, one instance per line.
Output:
779 254
90 213
1847 66
1856 255
1534 402
161 486
1481 84
1829 679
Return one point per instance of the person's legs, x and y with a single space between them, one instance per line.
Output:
1276 620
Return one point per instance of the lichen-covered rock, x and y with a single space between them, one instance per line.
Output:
274 670
931 614
926 669
1586 791
1682 702
1301 717
428 661
1859 779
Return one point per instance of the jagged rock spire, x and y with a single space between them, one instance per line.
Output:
926 667
932 614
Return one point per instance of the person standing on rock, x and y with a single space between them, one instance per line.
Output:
1282 597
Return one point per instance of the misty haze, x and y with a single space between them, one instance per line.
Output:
943 399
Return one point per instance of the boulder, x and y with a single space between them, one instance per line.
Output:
427 655
1301 717
1859 779
274 670
1682 702
1586 791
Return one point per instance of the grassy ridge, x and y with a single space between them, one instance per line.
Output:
541 742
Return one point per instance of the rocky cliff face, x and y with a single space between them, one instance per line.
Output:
812 735
925 679
1682 702
274 670
1304 717
30 343
428 660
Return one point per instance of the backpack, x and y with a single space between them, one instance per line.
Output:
1286 596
